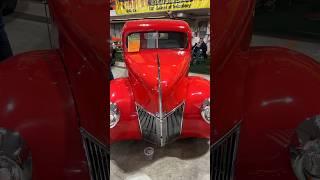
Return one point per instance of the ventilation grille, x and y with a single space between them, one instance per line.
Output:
161 132
97 157
223 156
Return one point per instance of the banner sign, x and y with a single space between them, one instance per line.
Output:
146 6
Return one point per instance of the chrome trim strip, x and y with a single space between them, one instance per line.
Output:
139 118
160 101
182 118
174 109
235 152
227 134
166 115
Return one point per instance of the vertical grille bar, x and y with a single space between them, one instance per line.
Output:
97 157
223 155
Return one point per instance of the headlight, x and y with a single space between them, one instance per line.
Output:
15 158
312 159
305 150
205 110
114 115
306 161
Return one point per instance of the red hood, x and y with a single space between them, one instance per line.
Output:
143 73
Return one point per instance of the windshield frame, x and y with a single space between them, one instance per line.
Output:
187 44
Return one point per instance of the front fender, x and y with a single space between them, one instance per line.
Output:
193 124
128 126
281 91
36 102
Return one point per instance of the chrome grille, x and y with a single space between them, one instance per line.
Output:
97 157
157 131
223 155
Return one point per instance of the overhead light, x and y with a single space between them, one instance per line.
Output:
135 18
156 17
113 13
180 14
119 19
144 25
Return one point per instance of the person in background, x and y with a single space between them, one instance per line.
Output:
113 58
110 74
5 48
195 38
201 45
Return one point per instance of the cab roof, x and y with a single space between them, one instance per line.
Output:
155 25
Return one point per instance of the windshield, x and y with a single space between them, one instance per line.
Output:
159 40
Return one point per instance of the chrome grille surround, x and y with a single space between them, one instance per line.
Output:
160 131
223 155
97 156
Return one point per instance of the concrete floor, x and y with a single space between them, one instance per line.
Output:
307 47
187 159
26 29
184 159
26 35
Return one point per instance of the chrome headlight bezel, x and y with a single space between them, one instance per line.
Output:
205 110
15 157
305 149
114 115
305 160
